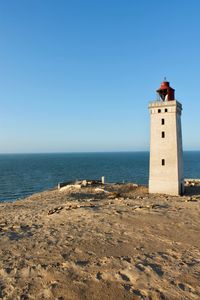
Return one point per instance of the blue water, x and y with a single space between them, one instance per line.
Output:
25 174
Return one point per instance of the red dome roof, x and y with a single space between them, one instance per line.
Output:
164 90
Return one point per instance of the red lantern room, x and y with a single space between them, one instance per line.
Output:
165 92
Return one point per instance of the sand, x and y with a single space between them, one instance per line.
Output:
90 244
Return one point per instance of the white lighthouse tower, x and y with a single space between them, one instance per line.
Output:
166 154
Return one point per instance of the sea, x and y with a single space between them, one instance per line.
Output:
24 174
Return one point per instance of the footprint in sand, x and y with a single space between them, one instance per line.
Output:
185 287
124 277
148 267
99 276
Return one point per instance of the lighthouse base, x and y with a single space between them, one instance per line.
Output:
174 188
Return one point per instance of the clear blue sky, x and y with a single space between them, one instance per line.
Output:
78 75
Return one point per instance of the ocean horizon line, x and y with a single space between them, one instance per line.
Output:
85 152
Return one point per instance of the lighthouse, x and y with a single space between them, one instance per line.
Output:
166 153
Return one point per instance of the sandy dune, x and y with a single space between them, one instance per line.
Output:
88 244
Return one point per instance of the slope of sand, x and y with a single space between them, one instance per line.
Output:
90 244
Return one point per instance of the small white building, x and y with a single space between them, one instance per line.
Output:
166 153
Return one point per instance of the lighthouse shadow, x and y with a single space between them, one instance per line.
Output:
192 190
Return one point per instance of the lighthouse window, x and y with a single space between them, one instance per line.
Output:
159 110
162 121
163 162
163 134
